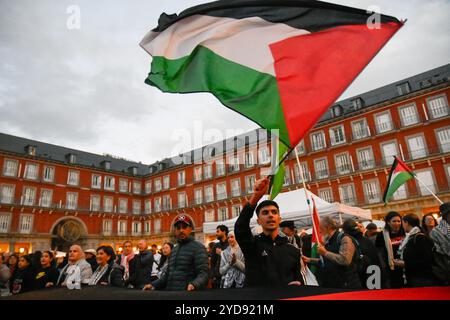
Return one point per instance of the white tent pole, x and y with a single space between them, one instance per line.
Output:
434 195
303 181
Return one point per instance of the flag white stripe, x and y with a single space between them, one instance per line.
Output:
243 41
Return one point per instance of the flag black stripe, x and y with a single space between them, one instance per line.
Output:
309 15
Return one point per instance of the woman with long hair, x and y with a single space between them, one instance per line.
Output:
108 271
46 275
24 279
166 250
13 265
429 222
388 242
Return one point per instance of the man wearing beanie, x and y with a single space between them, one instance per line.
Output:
269 259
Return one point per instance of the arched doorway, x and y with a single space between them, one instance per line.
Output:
66 233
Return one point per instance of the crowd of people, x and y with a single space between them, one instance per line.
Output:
408 252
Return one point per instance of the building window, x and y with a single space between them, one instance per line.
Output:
148 206
400 193
207 171
234 164
403 88
96 181
343 163
357 103
7 193
321 168
198 195
49 174
221 191
347 194
107 227
443 137
136 206
326 194
426 176
197 173
365 158
10 168
337 135
181 178
136 187
209 215
220 168
147 227
167 202
181 199
287 176
383 122
222 214
123 205
236 187
209 194
109 183
148 187
235 211
264 156
438 106
158 204
408 115
249 159
5 220
122 228
108 204
157 226
136 229
95 203
26 223
360 129
123 185
336 111
29 195
158 186
250 183
306 174
371 191
389 150
71 200
31 171
46 198
417 148
73 178
318 141
166 182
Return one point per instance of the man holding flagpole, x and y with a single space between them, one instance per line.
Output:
269 259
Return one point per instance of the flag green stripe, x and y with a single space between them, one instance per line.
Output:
397 182
249 92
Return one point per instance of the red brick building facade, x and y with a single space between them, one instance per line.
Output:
52 196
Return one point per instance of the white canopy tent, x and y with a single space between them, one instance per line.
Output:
294 207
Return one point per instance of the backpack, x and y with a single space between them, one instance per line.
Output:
360 260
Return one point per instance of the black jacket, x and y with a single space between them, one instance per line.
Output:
142 269
44 276
188 264
418 258
268 262
131 268
23 281
113 276
215 259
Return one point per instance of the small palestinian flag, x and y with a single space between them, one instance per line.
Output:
400 173
280 63
316 237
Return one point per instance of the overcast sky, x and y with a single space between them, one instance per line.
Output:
84 88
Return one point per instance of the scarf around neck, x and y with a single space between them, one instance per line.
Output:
125 262
441 237
409 236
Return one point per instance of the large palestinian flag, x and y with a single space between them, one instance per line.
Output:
280 63
400 173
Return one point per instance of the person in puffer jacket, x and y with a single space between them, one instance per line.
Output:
188 262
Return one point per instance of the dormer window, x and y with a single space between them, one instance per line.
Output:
31 150
336 111
106 165
358 103
133 170
71 158
403 88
